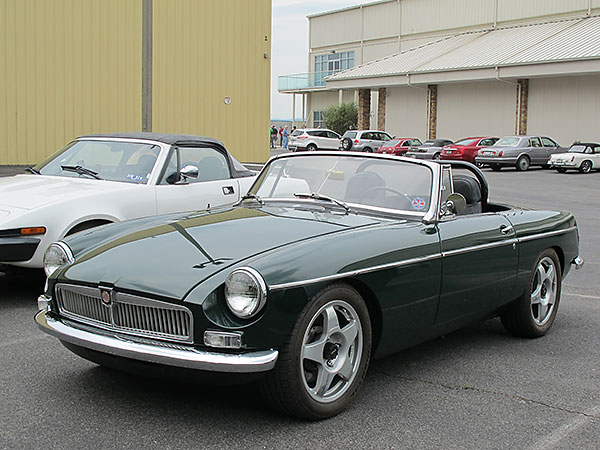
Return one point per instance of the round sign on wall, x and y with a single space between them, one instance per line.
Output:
227 100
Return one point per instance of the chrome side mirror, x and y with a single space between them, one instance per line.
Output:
455 204
188 171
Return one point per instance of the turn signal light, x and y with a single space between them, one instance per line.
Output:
32 231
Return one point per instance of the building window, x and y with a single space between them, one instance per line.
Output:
331 63
318 119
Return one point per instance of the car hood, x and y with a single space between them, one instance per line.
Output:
170 257
33 191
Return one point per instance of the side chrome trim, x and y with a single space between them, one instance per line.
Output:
191 358
354 273
475 248
547 234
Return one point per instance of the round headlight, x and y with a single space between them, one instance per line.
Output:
58 254
245 292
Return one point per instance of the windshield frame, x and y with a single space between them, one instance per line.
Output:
428 216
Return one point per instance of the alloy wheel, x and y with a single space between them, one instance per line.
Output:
544 290
331 351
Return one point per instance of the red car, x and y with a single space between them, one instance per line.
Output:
398 146
466 149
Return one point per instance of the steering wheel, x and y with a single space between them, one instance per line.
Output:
399 194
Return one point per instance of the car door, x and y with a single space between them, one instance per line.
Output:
595 156
212 187
537 153
479 264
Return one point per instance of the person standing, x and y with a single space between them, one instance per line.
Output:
281 137
273 133
285 135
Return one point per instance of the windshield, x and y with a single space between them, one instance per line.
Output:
356 181
465 142
510 141
577 149
129 162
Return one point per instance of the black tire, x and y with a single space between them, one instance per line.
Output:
561 170
311 147
519 317
523 163
368 150
496 167
347 143
585 167
436 156
288 387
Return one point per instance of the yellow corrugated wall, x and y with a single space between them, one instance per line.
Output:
203 52
67 68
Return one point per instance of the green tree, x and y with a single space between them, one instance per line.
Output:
342 117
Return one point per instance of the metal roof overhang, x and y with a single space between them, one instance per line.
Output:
557 48
563 68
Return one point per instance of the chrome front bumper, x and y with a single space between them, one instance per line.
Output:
577 262
176 356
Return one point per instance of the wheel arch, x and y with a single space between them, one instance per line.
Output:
561 258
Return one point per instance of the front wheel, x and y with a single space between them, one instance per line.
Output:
368 150
532 314
323 362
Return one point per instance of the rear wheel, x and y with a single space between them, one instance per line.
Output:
368 150
532 314
523 163
323 362
496 167
436 156
311 147
586 167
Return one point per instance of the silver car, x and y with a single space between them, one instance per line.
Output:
312 139
363 140
519 151
430 149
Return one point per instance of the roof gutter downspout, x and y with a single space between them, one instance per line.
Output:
518 114
589 13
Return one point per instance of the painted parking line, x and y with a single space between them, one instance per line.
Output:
558 436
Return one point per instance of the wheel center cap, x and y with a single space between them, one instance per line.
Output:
331 351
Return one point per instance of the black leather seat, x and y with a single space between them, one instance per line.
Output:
469 188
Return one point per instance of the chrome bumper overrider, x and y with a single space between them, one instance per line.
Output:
577 262
177 357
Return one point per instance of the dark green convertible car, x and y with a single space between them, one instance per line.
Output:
331 259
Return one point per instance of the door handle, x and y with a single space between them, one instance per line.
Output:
505 229
228 190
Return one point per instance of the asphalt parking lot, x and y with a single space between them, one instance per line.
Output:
477 388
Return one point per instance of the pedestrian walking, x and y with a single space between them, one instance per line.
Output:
273 134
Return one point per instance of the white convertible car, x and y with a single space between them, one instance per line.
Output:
100 179
581 156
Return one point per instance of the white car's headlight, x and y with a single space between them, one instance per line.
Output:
245 292
58 254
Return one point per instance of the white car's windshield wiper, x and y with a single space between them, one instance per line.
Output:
253 197
81 171
317 196
32 170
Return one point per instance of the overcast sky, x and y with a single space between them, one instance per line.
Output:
289 46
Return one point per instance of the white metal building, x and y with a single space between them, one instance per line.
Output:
456 68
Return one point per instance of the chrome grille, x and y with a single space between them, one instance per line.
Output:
125 313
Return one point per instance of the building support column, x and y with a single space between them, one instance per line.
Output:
364 109
293 109
432 91
304 109
381 109
522 102
340 97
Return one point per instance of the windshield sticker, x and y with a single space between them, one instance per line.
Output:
418 203
134 177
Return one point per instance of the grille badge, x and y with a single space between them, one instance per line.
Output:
105 296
